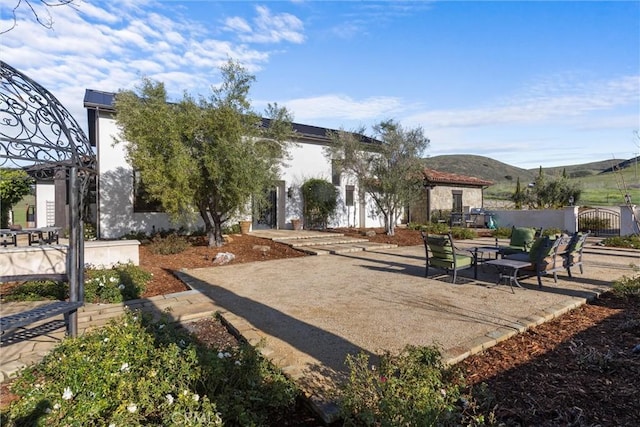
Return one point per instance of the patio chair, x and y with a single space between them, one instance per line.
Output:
573 257
547 256
521 240
442 253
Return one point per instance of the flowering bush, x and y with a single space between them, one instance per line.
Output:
138 372
413 388
121 283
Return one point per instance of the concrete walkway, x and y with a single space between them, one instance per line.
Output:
310 313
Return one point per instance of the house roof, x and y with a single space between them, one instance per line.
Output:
437 177
105 101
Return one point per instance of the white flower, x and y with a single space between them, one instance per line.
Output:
185 392
67 394
56 406
196 397
113 279
227 354
47 411
121 286
124 367
105 340
132 407
169 399
112 425
161 326
220 355
238 362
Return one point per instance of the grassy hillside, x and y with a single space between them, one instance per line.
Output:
480 167
586 169
599 188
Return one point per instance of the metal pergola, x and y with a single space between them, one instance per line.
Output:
37 131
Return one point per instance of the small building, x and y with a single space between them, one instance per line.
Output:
448 196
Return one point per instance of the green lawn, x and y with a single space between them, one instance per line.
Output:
20 210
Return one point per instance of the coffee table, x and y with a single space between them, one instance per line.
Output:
508 269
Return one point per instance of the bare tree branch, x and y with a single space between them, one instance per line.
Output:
46 23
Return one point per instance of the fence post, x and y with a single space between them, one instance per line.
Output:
571 219
628 220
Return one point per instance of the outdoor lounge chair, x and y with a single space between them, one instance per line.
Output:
521 240
573 257
547 256
442 253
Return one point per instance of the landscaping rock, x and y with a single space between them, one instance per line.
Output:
224 258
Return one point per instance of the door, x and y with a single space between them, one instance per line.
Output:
268 214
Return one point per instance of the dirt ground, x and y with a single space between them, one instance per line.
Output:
578 370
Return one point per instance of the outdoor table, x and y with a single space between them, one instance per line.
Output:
43 235
478 256
7 237
508 269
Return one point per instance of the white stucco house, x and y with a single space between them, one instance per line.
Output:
118 212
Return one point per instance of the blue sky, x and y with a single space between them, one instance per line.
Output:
527 83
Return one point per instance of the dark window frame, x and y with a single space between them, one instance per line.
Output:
349 193
142 202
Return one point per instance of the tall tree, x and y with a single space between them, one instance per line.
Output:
387 165
14 185
518 197
207 157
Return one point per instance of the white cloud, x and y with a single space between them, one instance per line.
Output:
540 103
343 108
267 27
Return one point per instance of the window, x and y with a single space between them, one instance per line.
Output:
457 201
348 197
336 170
142 201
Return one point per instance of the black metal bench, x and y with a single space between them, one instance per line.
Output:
17 320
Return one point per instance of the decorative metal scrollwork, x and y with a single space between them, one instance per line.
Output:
36 129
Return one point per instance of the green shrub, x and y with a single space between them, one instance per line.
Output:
89 231
39 290
140 236
168 245
460 233
628 286
320 202
433 228
502 232
231 229
631 242
121 283
136 372
413 388
552 231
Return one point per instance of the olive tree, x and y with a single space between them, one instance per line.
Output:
208 157
387 165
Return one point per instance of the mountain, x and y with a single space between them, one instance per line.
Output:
496 171
479 167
